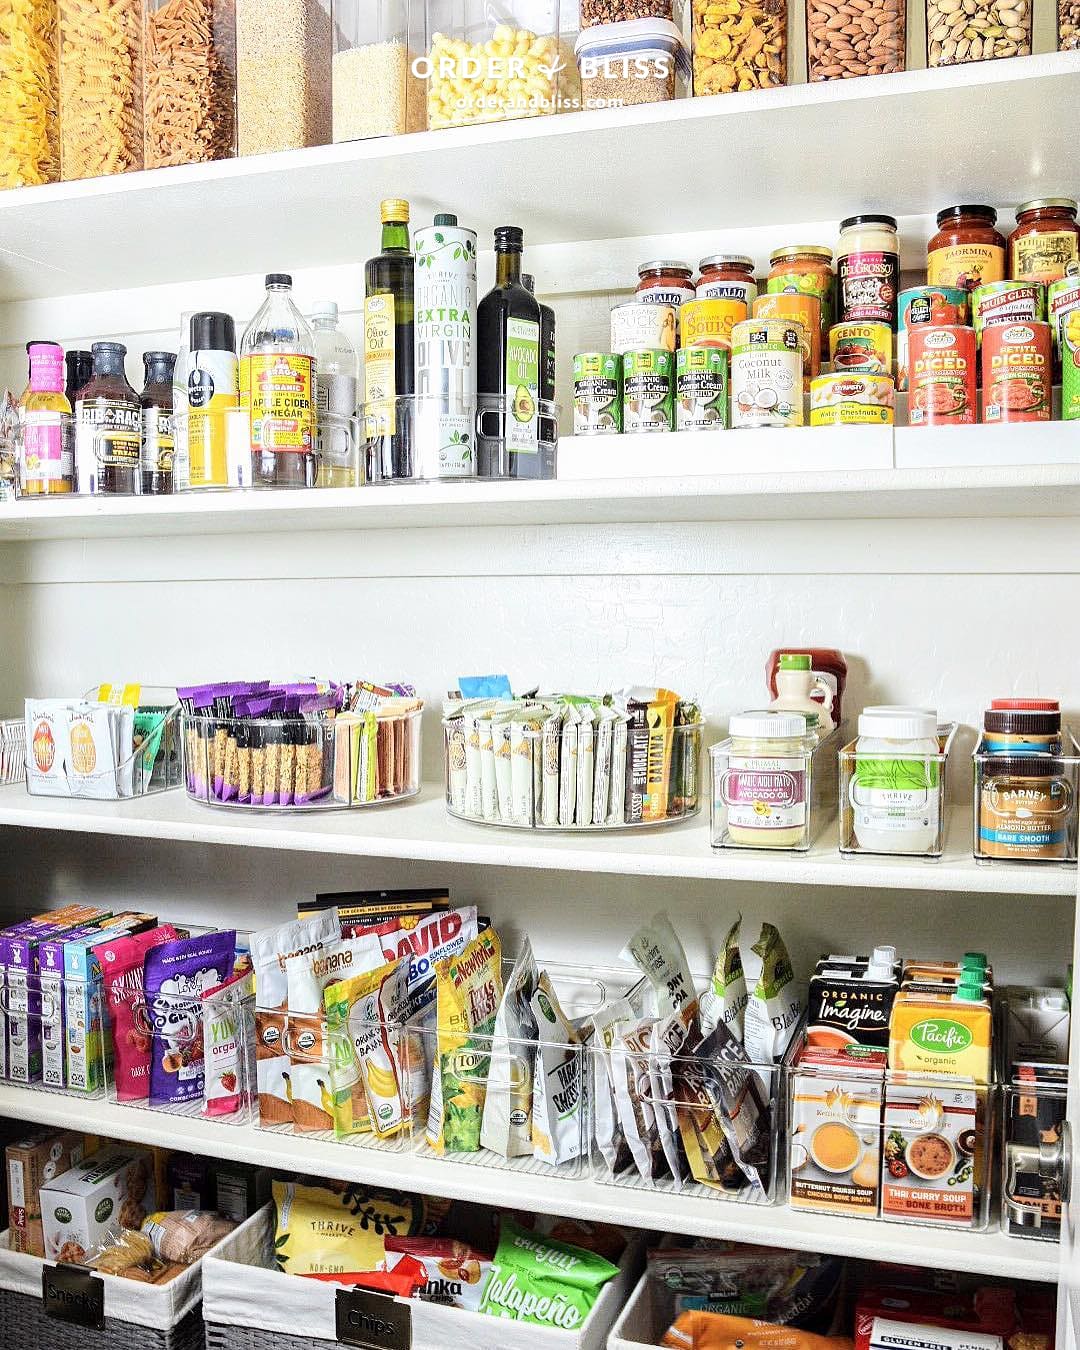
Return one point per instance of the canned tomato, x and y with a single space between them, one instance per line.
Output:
1062 299
1007 302
708 323
851 400
597 394
767 357
648 391
864 347
942 375
804 310
638 326
1017 372
1069 338
925 304
701 388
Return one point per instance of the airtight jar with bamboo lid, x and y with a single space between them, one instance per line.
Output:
762 781
1024 807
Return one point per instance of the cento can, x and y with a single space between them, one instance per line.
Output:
701 389
942 375
708 323
850 399
925 304
1017 372
648 391
637 326
863 347
1007 302
598 396
767 372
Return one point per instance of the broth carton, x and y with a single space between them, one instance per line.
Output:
850 1006
936 1029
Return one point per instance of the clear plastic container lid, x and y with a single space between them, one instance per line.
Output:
631 37
767 725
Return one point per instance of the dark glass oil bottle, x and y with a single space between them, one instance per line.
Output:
156 400
547 341
389 358
509 363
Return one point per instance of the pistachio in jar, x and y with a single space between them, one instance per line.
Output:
958 31
738 45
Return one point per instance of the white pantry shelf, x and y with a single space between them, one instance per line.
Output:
880 494
294 209
420 830
989 1253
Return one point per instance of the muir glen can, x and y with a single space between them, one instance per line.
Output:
701 389
941 376
1007 302
767 373
598 394
1017 372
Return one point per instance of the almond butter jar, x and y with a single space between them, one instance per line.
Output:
1025 808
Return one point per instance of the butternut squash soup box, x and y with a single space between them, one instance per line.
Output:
836 1130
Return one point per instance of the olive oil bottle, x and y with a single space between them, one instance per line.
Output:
389 357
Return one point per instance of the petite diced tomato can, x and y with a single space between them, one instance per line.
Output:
941 365
921 305
701 389
1017 372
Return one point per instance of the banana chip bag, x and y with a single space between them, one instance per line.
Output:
364 1015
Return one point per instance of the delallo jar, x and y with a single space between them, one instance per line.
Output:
803 310
925 304
941 363
727 276
1046 240
968 250
862 347
665 283
708 323
767 373
804 269
867 270
1017 373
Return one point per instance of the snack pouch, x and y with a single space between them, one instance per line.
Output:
543 1281
657 952
774 1007
506 1126
725 998
551 750
668 1038
468 990
325 1230
121 961
425 940
559 1104
586 756
719 1331
363 1018
175 976
455 1274
229 1044
633 1100
607 1128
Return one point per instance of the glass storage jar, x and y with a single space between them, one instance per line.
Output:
804 269
870 43
375 90
1068 26
992 29
494 60
738 45
283 53
100 48
29 131
727 276
639 61
189 81
1046 240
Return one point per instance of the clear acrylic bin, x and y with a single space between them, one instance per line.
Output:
211 450
804 786
495 60
641 60
65 754
283 764
496 421
738 46
1025 805
523 785
894 805
33 1021
283 54
376 92
424 438
474 1065
189 82
338 460
1034 1108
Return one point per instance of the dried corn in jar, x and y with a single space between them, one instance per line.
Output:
189 81
283 56
738 45
513 74
29 132
100 87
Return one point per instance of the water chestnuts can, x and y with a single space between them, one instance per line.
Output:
848 398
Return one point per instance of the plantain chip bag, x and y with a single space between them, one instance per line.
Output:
506 1127
559 1089
339 1230
657 952
726 997
774 1007
364 1017
468 990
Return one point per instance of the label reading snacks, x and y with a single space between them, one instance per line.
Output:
372 1321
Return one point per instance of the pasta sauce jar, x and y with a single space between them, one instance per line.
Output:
727 276
968 250
665 283
941 375
1046 240
804 269
867 270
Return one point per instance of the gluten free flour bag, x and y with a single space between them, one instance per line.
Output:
543 1281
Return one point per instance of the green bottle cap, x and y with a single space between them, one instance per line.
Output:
794 661
969 993
974 961
445 218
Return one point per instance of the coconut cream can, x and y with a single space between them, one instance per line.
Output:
445 349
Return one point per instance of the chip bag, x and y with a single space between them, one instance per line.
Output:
454 1273
364 1016
718 1331
543 1281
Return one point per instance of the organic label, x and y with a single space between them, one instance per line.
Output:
282 409
1043 257
523 386
966 266
379 357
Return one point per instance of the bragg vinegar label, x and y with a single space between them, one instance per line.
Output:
282 408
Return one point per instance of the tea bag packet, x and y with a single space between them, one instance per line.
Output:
559 1105
607 1129
551 753
629 1057
585 766
568 759
506 1126
725 998
46 746
175 976
525 768
617 808
364 1015
774 1008
657 952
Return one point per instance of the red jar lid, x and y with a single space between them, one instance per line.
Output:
1026 705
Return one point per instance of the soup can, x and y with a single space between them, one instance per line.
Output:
863 347
640 327
942 375
648 391
925 304
1017 372
708 323
1007 302
851 399
767 357
597 394
804 310
701 389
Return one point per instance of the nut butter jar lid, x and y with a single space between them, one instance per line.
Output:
767 725
1021 766
1025 705
898 724
1021 722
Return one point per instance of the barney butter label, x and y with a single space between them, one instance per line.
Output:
282 411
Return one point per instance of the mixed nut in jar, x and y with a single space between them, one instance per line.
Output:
849 38
851 400
958 31
941 376
767 358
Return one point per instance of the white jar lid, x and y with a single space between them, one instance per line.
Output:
767 724
898 724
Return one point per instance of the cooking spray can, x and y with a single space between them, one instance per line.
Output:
212 390
445 346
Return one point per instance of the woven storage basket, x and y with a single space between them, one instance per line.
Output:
137 1316
248 1306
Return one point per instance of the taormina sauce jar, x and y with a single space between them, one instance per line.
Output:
665 283
1046 240
967 251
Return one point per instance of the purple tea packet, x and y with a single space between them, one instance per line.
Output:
175 977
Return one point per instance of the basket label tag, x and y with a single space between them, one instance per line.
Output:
373 1321
71 1294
